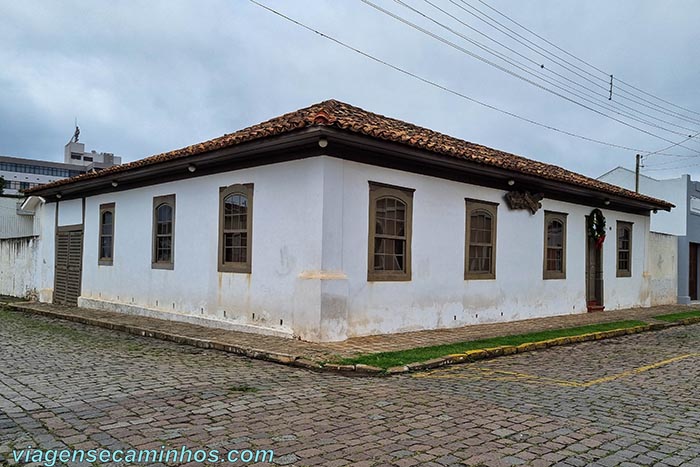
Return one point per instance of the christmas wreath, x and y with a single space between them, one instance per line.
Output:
596 228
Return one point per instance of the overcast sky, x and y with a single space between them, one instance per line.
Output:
151 76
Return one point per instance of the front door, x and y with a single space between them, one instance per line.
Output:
594 273
69 260
693 271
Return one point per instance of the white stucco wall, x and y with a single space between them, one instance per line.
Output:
309 256
26 263
662 266
276 298
18 266
438 296
673 190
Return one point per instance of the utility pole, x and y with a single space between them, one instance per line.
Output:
636 173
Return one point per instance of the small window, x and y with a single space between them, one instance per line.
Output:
163 232
390 219
106 255
235 228
624 249
480 251
554 245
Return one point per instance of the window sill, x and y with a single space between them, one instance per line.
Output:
167 266
375 277
235 268
549 277
479 277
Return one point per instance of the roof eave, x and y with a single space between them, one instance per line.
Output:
288 146
345 145
364 149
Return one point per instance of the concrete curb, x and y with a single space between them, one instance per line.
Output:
356 369
494 352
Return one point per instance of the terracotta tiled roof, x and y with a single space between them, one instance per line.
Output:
353 119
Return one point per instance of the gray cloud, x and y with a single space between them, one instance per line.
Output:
146 77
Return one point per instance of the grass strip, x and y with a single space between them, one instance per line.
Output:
421 354
673 317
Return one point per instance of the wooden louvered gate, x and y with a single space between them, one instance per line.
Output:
69 261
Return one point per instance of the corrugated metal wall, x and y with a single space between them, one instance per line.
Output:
12 225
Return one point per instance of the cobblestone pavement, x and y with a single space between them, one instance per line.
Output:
626 401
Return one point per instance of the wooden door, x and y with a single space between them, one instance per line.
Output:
69 260
594 274
693 271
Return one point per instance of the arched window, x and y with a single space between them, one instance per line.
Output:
555 246
390 233
235 228
624 249
481 240
163 232
106 253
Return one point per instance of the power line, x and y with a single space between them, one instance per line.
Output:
589 64
654 169
660 151
518 64
541 66
440 86
562 62
489 62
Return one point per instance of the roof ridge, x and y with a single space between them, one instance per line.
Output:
347 117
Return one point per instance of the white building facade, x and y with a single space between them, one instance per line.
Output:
320 233
682 222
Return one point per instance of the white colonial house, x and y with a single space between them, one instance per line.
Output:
332 222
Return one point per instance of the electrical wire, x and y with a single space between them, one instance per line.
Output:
587 63
554 82
565 64
541 66
440 86
512 73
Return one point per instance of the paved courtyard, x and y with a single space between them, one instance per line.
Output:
627 401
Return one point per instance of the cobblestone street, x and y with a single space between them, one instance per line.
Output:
626 401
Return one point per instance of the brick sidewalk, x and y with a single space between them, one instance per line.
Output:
281 349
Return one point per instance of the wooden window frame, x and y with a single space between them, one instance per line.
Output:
107 207
377 191
471 206
159 201
247 191
550 216
623 272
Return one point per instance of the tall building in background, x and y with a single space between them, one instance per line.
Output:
20 173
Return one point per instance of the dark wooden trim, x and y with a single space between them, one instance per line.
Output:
492 208
376 152
246 189
157 202
350 146
380 190
549 216
70 228
111 207
377 185
55 225
481 201
66 231
292 146
623 272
